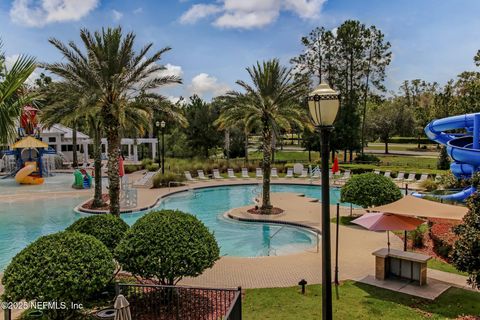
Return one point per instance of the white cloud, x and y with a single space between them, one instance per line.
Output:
204 83
307 9
248 14
199 11
138 10
171 70
37 13
117 15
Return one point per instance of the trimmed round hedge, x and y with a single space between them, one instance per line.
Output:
107 228
167 245
370 189
64 267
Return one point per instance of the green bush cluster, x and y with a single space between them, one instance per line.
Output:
107 228
418 235
130 168
370 189
429 185
66 267
167 245
162 180
443 162
366 158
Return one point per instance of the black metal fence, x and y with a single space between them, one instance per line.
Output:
177 302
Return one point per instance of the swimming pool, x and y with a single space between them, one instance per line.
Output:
23 222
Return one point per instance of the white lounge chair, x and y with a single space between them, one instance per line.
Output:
188 176
258 173
216 174
201 175
387 174
245 174
289 173
274 173
423 177
411 177
346 175
304 173
400 177
231 174
376 171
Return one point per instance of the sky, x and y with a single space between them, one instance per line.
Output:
214 41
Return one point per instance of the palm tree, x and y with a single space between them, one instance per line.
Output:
12 99
111 67
272 101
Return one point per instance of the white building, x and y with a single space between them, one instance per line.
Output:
59 137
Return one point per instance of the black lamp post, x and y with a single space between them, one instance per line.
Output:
159 125
323 106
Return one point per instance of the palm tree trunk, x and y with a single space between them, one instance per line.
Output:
97 157
246 146
74 145
266 167
112 130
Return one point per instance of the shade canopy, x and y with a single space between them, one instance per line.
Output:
416 207
323 105
379 221
29 143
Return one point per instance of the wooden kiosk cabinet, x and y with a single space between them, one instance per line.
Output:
401 264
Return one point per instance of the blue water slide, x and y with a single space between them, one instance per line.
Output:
464 149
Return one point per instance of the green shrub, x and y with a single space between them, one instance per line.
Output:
129 168
417 235
161 181
449 181
167 245
429 185
443 162
66 267
366 158
107 228
370 189
147 161
152 167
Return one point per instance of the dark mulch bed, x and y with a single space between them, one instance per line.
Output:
106 206
273 211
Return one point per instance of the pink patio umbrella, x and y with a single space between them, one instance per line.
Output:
379 221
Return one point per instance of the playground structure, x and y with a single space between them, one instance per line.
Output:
82 179
29 159
463 148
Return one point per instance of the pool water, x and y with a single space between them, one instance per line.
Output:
21 222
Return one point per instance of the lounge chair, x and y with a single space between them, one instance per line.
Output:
258 173
289 173
376 171
216 174
201 175
346 175
316 174
274 173
400 177
245 174
387 174
231 174
188 176
304 173
423 177
411 177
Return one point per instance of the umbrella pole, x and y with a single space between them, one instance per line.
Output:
388 240
405 241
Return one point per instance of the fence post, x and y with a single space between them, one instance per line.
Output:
240 303
117 288
7 314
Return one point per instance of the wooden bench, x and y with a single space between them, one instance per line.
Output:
401 264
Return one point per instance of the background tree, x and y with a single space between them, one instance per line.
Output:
443 159
202 134
382 120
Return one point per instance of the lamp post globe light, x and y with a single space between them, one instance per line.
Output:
323 105
162 124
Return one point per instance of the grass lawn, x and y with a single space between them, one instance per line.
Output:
443 266
344 220
357 301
